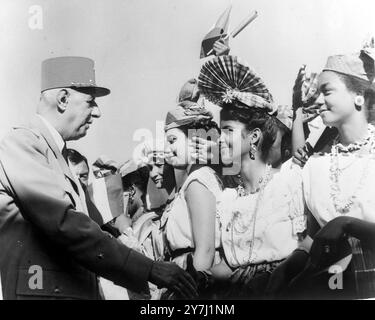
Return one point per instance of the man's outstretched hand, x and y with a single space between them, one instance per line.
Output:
169 275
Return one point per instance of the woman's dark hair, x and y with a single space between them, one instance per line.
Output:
138 178
204 127
169 179
75 157
355 84
286 141
253 118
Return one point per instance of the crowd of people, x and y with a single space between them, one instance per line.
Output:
272 202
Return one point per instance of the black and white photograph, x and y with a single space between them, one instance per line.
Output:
205 151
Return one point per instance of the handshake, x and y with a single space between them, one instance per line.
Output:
181 284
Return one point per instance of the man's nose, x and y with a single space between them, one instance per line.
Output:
96 111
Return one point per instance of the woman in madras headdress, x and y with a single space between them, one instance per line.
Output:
161 174
191 227
339 184
262 218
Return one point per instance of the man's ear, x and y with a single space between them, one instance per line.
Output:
62 100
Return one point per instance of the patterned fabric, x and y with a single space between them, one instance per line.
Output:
189 91
219 31
310 90
360 65
226 79
363 263
187 112
310 93
305 93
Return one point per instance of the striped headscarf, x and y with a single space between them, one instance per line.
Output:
186 113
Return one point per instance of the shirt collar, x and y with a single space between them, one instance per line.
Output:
55 135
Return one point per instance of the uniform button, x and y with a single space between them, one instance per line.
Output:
56 290
100 255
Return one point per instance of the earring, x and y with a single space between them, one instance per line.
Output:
253 150
131 194
359 102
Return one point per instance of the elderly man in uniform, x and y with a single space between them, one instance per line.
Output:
50 247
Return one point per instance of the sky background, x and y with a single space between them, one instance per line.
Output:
144 51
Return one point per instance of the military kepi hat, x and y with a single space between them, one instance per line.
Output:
71 72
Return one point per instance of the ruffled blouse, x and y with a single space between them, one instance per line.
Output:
357 178
278 220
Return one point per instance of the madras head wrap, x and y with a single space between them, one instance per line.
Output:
189 91
187 112
360 65
306 92
309 90
226 79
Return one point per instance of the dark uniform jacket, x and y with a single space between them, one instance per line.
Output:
40 228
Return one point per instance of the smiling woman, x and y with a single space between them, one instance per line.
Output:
261 217
338 185
342 98
192 227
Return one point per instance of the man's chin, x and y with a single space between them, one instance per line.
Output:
80 134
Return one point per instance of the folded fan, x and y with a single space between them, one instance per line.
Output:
226 78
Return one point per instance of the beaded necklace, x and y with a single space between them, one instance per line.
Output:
238 216
241 190
341 205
